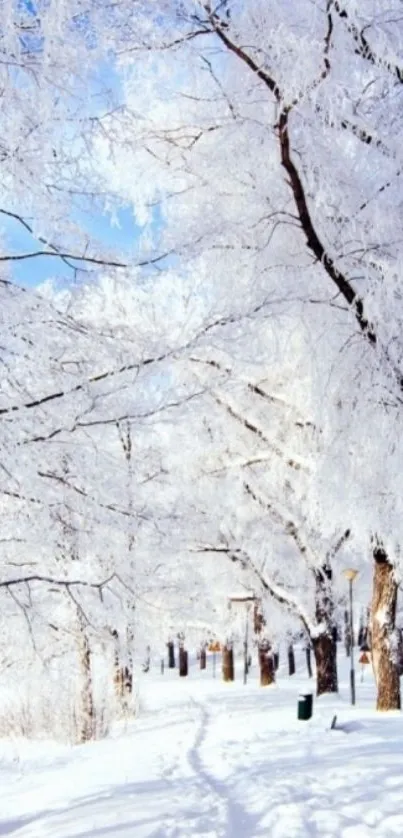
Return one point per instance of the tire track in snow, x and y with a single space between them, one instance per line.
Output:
238 822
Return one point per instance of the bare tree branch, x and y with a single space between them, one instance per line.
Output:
313 240
363 47
62 583
278 593
289 526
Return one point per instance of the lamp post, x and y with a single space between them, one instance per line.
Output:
350 574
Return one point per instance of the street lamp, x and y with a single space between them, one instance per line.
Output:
350 574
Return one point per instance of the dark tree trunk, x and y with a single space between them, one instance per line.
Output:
276 660
325 646
308 661
183 662
291 660
266 664
203 657
383 632
228 671
325 652
171 654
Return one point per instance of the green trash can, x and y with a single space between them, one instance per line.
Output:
305 705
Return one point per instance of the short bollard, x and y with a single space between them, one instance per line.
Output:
305 705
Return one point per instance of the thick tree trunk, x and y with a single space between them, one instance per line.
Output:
291 660
325 645
228 671
383 632
203 657
325 652
266 664
171 654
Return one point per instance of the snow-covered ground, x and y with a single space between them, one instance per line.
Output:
215 760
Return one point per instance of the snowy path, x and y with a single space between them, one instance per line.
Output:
210 760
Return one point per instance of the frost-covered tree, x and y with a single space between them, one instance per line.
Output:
58 84
270 144
247 489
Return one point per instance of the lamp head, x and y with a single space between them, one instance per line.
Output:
350 574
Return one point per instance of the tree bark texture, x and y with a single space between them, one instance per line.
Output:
228 670
266 664
383 632
86 721
324 644
122 674
325 652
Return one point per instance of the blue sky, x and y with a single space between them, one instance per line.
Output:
119 239
31 272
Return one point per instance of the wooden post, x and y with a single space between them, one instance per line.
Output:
203 657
